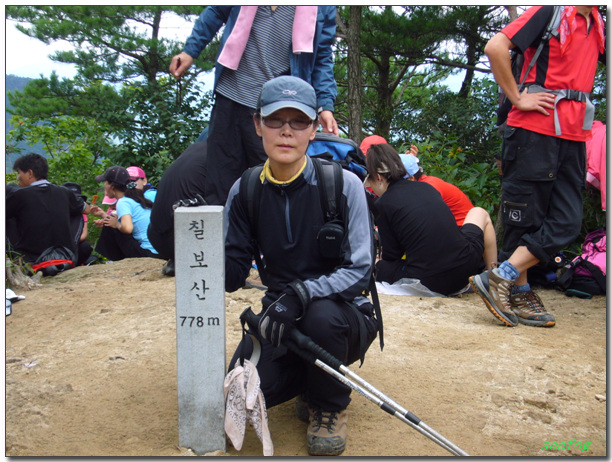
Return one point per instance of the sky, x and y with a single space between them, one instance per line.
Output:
31 57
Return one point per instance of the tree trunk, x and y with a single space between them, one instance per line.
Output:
512 12
17 279
354 74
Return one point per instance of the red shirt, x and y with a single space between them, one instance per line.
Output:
456 199
573 70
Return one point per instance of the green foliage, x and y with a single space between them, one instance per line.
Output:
168 119
76 147
112 43
468 122
142 116
599 95
445 159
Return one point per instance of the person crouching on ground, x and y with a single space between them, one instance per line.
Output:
124 235
321 297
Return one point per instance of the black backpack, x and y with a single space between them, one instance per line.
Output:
585 274
330 178
517 60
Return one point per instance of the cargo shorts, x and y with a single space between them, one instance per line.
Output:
542 188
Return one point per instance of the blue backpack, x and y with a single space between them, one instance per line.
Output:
341 150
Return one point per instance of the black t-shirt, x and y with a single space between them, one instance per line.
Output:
413 219
42 216
182 180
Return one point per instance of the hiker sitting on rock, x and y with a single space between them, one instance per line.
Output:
40 212
320 296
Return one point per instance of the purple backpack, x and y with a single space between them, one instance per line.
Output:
594 251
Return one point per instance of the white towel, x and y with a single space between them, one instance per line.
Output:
244 401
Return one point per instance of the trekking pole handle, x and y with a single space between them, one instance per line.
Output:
305 343
299 340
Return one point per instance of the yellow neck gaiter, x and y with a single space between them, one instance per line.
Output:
266 173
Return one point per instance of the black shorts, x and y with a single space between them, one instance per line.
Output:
454 280
449 281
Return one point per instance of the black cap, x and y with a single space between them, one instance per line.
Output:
115 174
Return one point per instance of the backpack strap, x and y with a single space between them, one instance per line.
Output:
329 175
249 192
550 31
599 277
331 181
250 196
45 264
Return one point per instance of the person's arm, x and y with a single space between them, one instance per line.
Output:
97 211
204 30
125 225
392 249
498 52
84 232
323 80
122 220
239 249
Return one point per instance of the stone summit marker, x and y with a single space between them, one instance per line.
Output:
200 326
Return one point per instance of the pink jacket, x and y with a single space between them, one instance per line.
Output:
596 160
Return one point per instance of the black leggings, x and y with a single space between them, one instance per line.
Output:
115 245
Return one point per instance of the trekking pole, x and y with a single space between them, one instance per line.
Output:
304 347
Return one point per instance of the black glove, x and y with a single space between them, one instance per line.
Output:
282 314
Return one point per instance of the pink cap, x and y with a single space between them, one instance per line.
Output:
136 172
369 141
108 201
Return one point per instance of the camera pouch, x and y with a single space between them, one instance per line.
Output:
330 239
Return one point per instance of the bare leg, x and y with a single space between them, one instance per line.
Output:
480 217
522 259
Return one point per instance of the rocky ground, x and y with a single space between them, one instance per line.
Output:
91 371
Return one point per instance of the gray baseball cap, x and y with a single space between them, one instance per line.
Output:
287 91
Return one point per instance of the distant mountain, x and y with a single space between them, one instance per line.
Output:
12 83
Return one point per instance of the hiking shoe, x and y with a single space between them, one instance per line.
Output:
530 310
327 432
495 292
168 268
301 409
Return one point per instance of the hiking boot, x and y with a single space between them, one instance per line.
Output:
327 432
530 310
301 409
168 268
495 292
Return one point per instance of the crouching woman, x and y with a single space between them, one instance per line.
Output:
306 289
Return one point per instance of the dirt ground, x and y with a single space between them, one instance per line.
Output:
91 371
